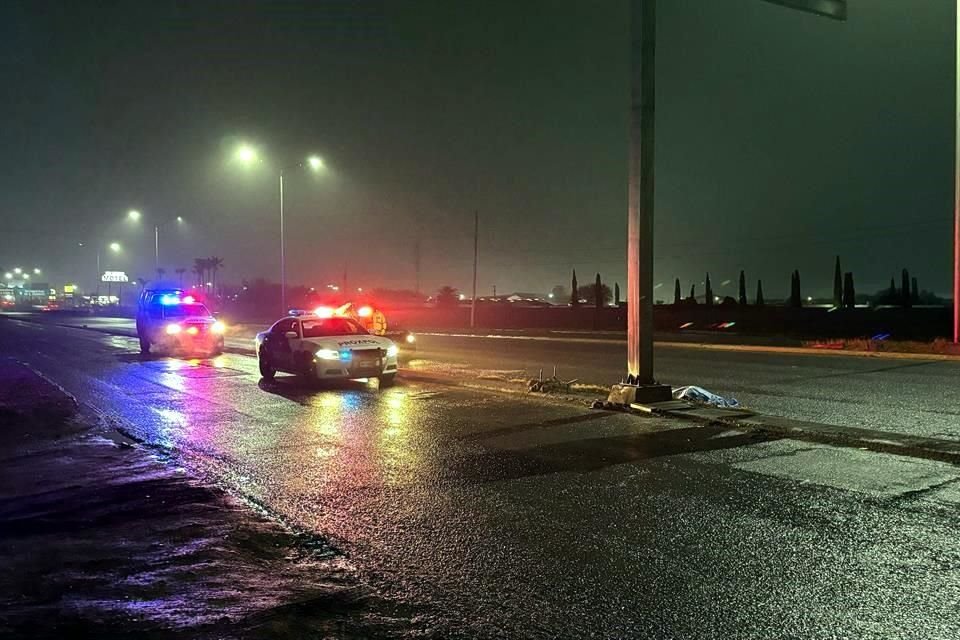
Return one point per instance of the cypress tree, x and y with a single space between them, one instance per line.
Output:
799 297
708 295
849 293
759 302
914 291
676 291
907 301
743 289
794 299
574 291
616 294
837 284
598 293
693 293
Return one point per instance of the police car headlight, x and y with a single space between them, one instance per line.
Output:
173 329
328 354
392 350
218 327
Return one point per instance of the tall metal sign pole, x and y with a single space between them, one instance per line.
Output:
956 192
643 36
643 39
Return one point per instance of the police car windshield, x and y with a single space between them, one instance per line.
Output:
184 310
324 327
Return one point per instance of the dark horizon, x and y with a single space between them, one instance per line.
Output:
782 141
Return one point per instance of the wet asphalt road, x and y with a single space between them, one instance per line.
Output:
483 515
906 396
917 397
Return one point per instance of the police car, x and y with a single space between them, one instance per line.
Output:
175 322
323 347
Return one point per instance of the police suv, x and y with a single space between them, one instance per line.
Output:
175 322
325 347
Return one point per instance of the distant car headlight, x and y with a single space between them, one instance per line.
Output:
328 354
392 350
411 338
173 329
218 327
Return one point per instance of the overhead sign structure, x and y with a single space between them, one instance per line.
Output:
114 276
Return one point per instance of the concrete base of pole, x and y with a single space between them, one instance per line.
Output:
628 394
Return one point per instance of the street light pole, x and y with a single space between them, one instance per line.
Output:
156 246
283 258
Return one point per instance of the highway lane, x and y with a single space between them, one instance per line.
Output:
919 397
477 515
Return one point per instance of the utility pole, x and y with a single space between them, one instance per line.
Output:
283 257
476 247
416 264
494 291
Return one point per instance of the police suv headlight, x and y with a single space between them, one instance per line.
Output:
327 354
173 329
218 327
392 350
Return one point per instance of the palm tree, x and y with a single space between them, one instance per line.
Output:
200 268
160 273
214 263
180 271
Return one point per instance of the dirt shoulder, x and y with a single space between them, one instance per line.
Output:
99 538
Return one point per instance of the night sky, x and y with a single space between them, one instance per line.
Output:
783 139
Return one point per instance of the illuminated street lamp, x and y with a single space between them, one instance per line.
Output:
18 270
36 271
134 215
247 155
8 275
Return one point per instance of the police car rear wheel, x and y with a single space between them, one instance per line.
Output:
266 369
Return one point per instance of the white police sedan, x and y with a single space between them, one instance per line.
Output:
324 348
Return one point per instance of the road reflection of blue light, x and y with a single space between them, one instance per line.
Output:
351 400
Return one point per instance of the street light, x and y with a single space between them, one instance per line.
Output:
114 246
247 155
36 271
135 216
18 270
8 275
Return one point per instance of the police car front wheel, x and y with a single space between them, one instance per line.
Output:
266 369
387 379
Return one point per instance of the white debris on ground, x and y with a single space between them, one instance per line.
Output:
702 396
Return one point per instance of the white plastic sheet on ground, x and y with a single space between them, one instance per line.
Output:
702 396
